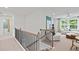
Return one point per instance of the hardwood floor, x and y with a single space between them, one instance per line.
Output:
63 45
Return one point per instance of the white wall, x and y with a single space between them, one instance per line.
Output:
36 21
19 21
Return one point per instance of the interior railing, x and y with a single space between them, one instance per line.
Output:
28 40
25 39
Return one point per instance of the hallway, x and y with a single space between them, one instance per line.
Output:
9 43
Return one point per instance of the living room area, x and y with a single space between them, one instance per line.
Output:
69 33
66 37
66 30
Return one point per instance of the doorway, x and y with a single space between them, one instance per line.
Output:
6 25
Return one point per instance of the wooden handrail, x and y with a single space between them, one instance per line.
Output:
31 33
27 32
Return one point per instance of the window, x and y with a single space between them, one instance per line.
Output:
48 22
73 24
64 24
68 24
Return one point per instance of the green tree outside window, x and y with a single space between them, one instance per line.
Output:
68 24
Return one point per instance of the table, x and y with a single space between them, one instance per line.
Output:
77 43
74 39
77 38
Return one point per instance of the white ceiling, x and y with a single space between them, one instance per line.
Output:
27 10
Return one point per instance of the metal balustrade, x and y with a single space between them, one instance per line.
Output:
26 39
31 41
